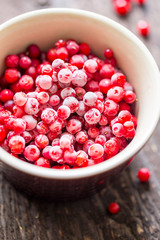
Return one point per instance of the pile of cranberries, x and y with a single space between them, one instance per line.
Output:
65 108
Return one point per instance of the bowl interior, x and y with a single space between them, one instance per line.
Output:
46 26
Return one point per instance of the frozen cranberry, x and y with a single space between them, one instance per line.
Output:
124 116
46 152
9 105
143 174
118 79
81 137
4 114
73 126
49 115
60 43
65 76
31 122
93 132
6 95
51 54
143 28
105 85
84 48
122 7
100 139
63 112
62 53
17 144
18 111
42 128
31 153
110 108
54 100
92 86
103 120
113 208
92 116
19 125
90 98
31 106
3 133
20 99
26 82
79 78
118 130
107 70
43 97
111 147
46 70
27 136
66 141
41 141
81 159
72 103
11 61
24 62
33 51
55 153
11 75
90 66
108 53
42 162
44 81
82 109
96 151
72 47
77 60
57 125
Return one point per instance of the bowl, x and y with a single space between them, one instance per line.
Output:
44 27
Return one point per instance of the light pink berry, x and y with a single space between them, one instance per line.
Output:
32 106
96 151
92 116
79 78
68 92
20 98
65 75
31 153
72 103
90 99
31 122
49 115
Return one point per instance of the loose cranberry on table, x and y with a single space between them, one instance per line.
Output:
143 28
66 108
113 208
143 174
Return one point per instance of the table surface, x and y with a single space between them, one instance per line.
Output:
139 217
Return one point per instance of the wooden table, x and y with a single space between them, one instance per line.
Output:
139 216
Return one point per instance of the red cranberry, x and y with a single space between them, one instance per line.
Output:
113 208
143 174
143 28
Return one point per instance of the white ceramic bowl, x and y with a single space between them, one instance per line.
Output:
46 26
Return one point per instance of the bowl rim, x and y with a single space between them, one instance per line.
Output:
121 157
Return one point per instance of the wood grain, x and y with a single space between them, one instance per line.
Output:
22 218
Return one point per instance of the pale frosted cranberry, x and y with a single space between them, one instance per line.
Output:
33 51
6 95
103 120
42 162
32 106
90 99
41 141
96 151
31 153
124 116
87 144
16 144
79 78
116 93
46 152
82 109
4 145
54 76
27 136
53 89
56 142
18 111
81 159
63 112
111 147
106 131
47 70
62 53
32 94
64 85
81 137
49 115
128 125
26 82
68 92
70 157
113 121
55 153
72 103
56 126
8 122
3 133
11 61
107 70
134 120
110 108
77 60
44 81
99 105
4 114
54 100
80 92
100 139
118 79
130 134
127 86
43 97
73 126
65 75
24 62
92 116
90 66
93 132
20 98
19 125
129 97
71 67
65 141
118 130
72 47
57 64
31 122
11 75
92 86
